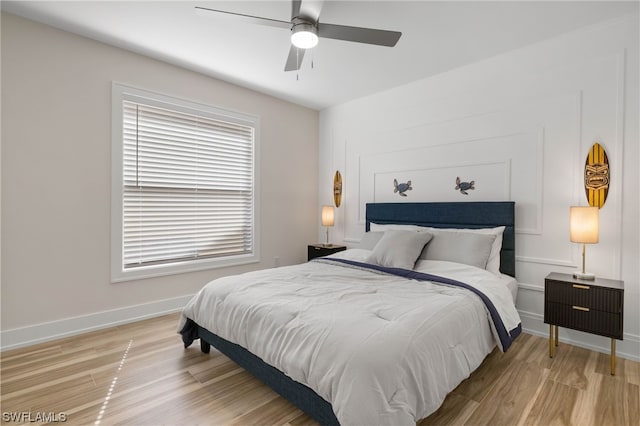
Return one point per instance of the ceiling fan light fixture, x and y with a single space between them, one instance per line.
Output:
304 35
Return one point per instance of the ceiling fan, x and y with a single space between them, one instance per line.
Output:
305 29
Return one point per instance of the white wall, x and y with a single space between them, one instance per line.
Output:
56 141
520 124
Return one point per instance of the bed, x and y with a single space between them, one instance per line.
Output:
351 340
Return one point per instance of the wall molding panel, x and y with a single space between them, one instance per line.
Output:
514 134
543 261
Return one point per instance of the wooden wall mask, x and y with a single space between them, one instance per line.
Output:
596 176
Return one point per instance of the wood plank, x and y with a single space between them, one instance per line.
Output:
610 403
275 411
554 404
571 367
455 410
507 400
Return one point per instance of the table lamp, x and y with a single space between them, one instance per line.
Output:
327 220
583 229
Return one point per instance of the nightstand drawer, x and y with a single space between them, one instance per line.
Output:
588 296
579 317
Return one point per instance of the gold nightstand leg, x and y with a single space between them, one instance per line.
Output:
613 357
551 340
556 334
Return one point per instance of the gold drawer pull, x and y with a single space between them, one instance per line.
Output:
584 287
580 308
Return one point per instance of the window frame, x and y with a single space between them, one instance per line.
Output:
122 92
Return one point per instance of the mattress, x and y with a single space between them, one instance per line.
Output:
381 348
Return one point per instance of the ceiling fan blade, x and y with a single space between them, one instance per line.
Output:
242 17
357 34
295 8
309 9
294 60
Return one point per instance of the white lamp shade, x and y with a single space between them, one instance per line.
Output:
327 216
304 36
584 224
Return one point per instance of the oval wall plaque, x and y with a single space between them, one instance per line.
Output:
596 176
337 188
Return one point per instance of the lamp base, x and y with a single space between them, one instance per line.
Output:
587 276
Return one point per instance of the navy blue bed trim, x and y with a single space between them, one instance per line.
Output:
506 336
454 215
298 394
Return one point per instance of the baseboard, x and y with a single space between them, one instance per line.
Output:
629 348
38 333
532 323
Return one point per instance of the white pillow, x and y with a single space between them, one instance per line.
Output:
493 264
399 249
369 240
461 247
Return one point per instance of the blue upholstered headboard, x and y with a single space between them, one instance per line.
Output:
454 215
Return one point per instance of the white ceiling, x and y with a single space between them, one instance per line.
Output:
436 37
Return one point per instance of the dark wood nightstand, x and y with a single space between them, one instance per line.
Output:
319 250
594 307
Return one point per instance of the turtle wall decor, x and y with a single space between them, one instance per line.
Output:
401 188
463 187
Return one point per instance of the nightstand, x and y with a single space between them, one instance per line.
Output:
319 250
594 307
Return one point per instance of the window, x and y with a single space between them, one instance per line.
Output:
184 188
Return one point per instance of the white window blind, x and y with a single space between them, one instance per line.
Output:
187 186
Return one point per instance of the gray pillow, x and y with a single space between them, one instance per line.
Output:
461 247
369 240
399 249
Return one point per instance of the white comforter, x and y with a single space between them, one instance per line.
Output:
380 348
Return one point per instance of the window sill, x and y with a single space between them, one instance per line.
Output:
145 272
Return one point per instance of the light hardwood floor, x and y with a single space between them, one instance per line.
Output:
140 374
